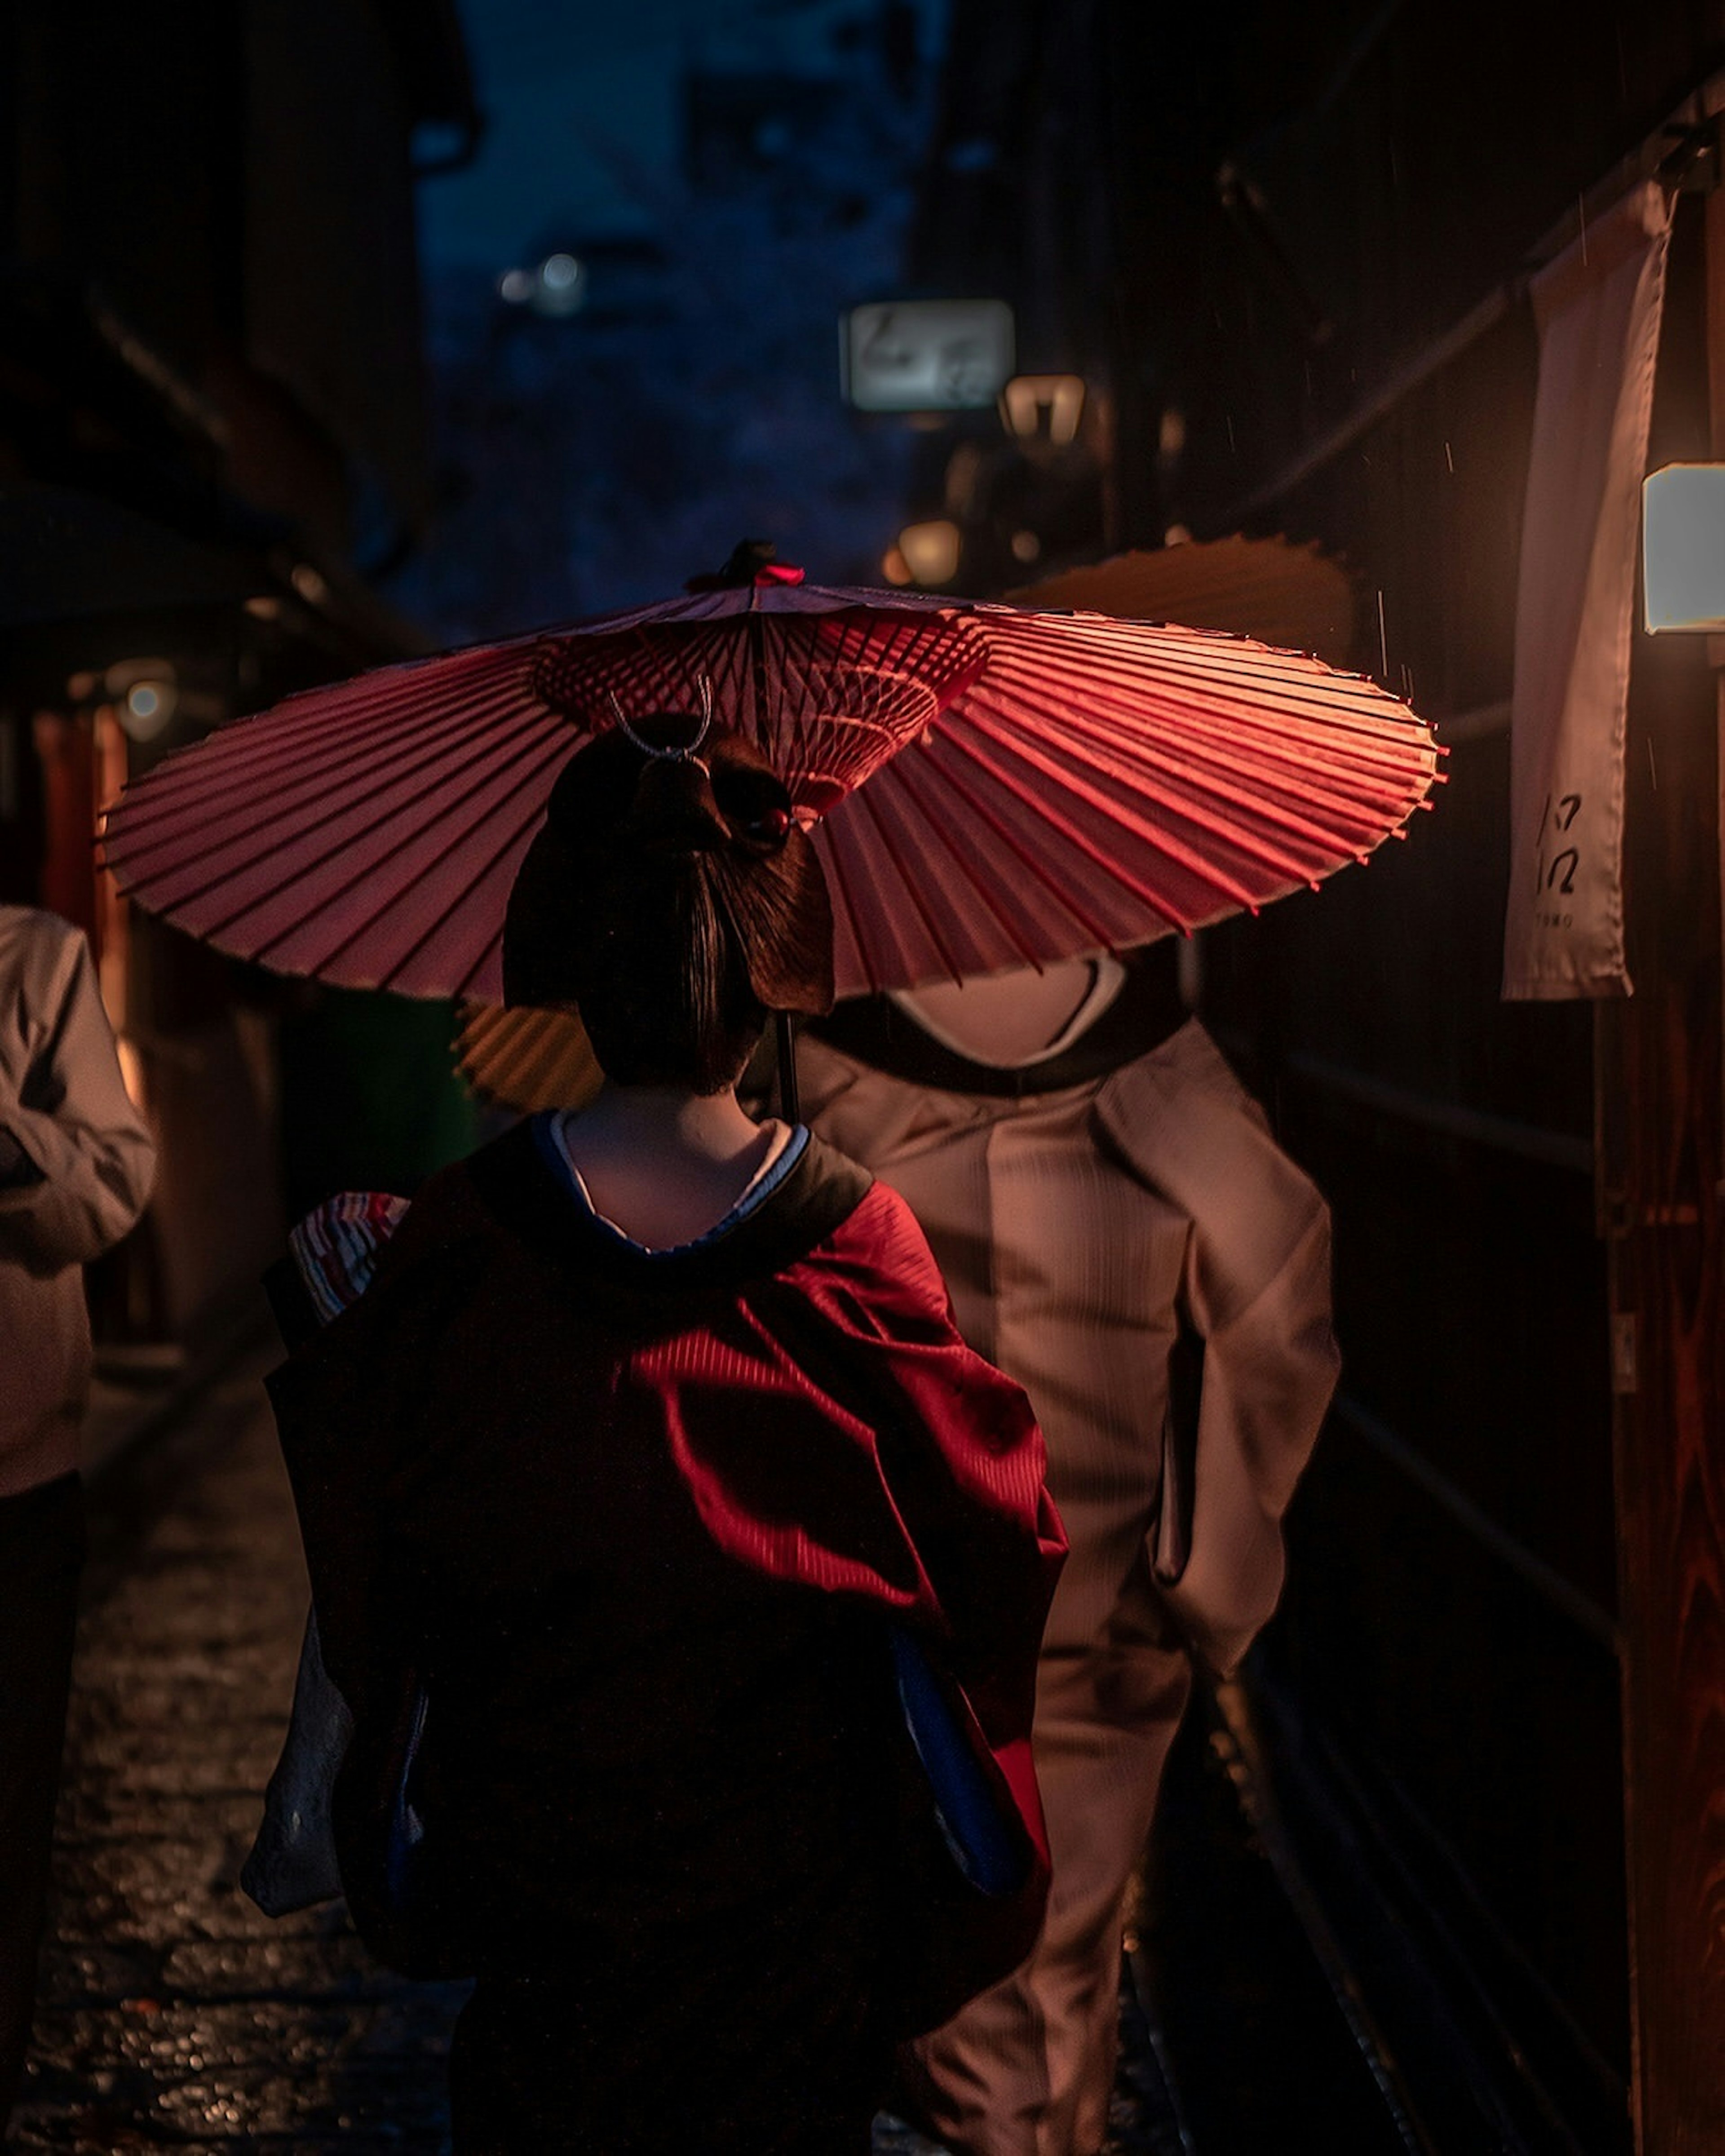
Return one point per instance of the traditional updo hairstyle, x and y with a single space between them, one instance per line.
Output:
673 901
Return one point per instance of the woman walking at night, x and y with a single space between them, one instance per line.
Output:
645 1456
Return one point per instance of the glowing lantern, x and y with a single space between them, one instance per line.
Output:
1683 549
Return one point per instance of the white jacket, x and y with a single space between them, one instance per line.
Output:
1076 1230
76 1160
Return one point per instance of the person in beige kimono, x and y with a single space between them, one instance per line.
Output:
1118 1229
76 1160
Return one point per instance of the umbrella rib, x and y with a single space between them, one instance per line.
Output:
1143 649
1038 866
239 769
840 892
1203 699
254 835
1215 775
896 855
1298 703
375 861
294 730
1197 724
1136 828
378 762
1149 757
1201 871
899 770
451 845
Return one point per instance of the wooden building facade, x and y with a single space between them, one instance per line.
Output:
213 435
1490 1717
1497 1689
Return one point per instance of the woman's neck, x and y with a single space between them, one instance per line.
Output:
701 1125
664 1164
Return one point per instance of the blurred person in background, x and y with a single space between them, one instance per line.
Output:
1120 1233
76 1162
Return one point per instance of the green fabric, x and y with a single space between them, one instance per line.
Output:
370 1100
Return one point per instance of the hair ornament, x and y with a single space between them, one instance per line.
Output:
690 751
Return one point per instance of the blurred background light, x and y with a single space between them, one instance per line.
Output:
1033 405
560 287
931 551
145 693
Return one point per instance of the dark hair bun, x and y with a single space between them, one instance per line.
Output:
674 810
674 900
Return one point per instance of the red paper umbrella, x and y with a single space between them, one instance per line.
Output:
1038 784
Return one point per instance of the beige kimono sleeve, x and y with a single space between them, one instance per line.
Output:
1257 1288
76 1157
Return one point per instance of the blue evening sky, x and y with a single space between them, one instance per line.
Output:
581 111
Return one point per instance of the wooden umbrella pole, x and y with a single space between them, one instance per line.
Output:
786 1051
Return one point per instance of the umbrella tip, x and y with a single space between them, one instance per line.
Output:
752 562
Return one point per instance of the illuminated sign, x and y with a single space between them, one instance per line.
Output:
926 355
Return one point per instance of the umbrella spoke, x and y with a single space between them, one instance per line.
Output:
1157 840
366 766
1113 749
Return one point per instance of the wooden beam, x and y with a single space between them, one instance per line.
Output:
1658 1076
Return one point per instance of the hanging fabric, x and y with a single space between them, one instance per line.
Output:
1598 309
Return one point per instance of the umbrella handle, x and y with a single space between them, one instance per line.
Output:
785 1044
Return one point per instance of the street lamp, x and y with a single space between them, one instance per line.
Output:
1683 549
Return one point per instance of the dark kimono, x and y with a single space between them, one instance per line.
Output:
636 1521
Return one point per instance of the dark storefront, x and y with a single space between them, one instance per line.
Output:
213 434
1489 1710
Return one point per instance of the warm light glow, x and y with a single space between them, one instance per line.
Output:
263 607
131 1071
1027 398
1683 549
931 551
1025 547
1171 436
896 569
310 584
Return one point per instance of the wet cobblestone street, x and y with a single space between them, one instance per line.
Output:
173 2014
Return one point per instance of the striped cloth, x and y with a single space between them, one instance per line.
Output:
336 1246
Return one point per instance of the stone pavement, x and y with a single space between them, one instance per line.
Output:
173 2015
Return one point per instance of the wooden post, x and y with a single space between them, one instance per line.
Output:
1658 1082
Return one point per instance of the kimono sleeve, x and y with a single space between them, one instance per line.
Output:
960 1457
349 1404
1257 1289
79 1159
